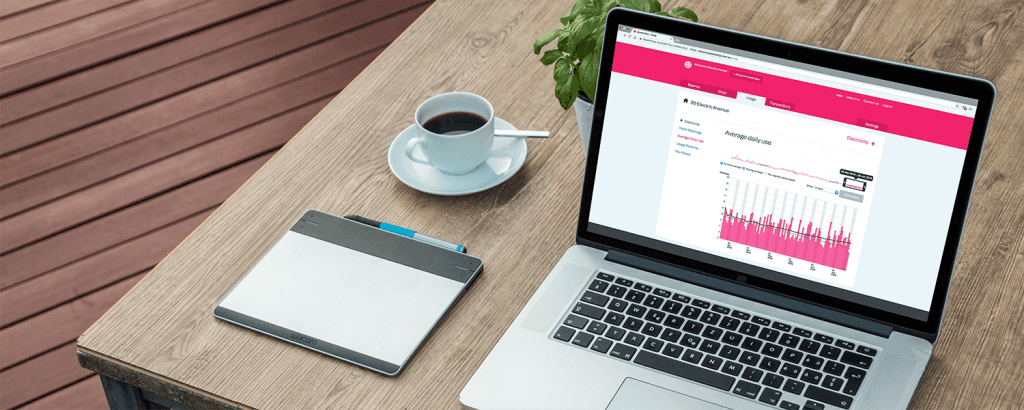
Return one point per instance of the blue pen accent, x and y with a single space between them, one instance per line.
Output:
397 229
409 233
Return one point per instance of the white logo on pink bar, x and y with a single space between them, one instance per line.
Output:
687 64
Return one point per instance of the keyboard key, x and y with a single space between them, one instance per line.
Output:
672 350
623 352
802 332
771 350
690 340
634 339
858 360
752 374
691 312
761 321
813 405
618 305
789 340
852 386
575 321
617 291
773 380
624 282
601 345
810 376
672 306
750 358
710 317
642 287
844 344
653 302
790 370
855 373
789 405
710 346
746 389
813 362
693 327
651 329
732 338
605 276
671 335
740 315
751 344
701 304
635 296
655 316
674 322
633 323
866 350
681 298
829 397
770 396
684 370
564 334
792 356
809 346
583 339
614 318
781 326
768 334
594 298
598 286
712 333
721 309
636 310
770 364
749 329
692 356
730 323
663 293
830 352
712 362
732 368
832 383
653 344
793 386
615 333
826 339
597 327
729 352
834 368
590 311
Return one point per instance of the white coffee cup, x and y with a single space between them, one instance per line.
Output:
454 152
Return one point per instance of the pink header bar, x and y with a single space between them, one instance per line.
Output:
833 104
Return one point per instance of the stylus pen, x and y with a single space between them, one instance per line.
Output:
408 232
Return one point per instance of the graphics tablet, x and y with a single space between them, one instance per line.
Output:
350 291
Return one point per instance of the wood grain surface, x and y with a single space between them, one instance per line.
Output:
337 164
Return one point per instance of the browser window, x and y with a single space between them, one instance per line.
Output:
819 176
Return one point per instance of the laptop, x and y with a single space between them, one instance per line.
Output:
763 224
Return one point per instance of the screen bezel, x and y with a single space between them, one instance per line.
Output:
978 89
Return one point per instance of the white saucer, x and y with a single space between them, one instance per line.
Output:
507 156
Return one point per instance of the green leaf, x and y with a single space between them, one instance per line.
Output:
584 30
662 13
563 41
655 5
685 13
587 73
642 5
608 5
551 56
566 84
565 19
544 40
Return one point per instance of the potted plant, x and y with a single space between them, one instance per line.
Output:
578 51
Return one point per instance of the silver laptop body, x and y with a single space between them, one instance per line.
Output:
625 319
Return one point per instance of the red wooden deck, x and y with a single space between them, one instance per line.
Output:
123 125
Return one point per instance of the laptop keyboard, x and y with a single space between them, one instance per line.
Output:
756 357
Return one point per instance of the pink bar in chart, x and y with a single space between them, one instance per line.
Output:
790 238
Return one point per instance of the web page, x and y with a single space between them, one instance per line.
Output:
788 171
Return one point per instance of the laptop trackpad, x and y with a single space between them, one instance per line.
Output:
638 395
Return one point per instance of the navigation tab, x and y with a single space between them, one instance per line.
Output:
708 88
771 102
871 124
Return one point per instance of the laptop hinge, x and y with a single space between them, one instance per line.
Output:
748 292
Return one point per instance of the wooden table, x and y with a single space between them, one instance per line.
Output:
162 337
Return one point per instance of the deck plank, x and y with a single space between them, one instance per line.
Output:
212 67
84 395
11 8
46 17
155 59
37 377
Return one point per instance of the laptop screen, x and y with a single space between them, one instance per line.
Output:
836 183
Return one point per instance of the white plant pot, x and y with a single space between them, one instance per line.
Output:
584 116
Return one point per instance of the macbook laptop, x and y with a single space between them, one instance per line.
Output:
763 224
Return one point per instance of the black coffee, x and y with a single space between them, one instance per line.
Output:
458 122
